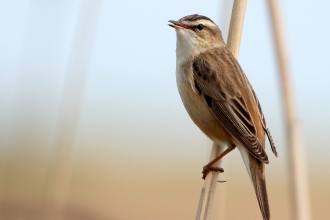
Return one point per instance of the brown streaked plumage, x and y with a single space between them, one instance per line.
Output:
219 98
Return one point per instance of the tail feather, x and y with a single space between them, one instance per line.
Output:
259 184
256 172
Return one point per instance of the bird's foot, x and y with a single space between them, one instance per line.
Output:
207 169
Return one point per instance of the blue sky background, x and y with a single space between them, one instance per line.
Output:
131 109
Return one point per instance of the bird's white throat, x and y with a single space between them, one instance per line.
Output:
187 45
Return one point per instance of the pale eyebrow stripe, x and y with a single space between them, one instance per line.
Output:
204 22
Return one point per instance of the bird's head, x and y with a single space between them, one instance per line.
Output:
196 34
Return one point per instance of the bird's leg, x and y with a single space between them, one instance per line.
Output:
208 167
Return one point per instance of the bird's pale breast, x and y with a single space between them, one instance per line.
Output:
196 107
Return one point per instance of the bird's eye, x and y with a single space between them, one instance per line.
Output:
200 27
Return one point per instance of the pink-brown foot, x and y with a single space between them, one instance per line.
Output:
207 169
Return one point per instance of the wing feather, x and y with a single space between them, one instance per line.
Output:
263 120
227 103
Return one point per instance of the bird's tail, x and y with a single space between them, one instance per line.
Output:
256 172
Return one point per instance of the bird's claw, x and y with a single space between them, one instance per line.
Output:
207 169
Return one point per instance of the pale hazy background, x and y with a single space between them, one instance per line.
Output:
135 152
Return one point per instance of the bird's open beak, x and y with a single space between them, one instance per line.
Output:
177 25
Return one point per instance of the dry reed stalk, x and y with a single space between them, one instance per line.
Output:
298 180
234 38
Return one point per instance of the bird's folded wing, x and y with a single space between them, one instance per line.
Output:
261 115
227 104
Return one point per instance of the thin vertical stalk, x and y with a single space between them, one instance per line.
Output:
209 187
59 175
208 191
236 26
296 156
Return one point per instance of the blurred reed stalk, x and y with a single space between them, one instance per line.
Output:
298 180
234 38
220 196
59 175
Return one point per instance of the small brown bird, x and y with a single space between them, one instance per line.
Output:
220 100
